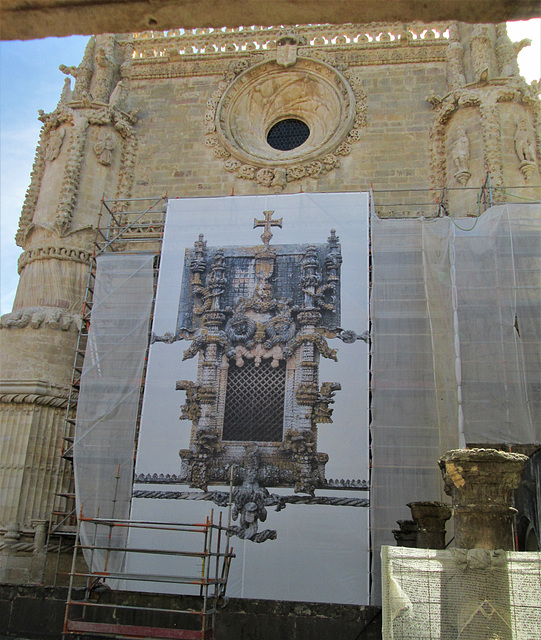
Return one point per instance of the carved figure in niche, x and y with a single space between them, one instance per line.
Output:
104 147
524 144
55 144
461 157
525 149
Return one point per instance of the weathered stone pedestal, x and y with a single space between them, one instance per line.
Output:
480 483
430 519
406 536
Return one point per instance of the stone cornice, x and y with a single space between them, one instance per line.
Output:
33 392
190 53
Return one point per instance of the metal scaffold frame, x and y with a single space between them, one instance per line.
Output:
124 225
118 619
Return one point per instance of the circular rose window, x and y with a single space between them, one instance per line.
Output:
276 116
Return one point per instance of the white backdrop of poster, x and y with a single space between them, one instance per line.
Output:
321 552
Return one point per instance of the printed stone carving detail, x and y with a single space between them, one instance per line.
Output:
191 410
274 307
240 113
249 501
104 147
461 157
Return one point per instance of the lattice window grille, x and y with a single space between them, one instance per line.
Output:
254 404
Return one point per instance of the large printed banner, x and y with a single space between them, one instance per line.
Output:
258 372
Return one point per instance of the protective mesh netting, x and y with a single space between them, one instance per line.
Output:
456 330
460 594
109 398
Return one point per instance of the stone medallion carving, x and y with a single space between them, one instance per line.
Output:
241 113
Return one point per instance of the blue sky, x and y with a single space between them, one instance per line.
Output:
30 80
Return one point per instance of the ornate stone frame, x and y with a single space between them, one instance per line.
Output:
332 104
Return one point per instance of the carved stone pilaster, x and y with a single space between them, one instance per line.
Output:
481 45
481 483
456 77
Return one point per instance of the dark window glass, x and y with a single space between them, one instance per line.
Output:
288 134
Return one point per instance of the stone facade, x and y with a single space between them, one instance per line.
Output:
417 107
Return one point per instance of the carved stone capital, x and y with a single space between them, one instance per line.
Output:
481 484
406 535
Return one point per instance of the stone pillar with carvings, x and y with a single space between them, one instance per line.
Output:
86 149
481 484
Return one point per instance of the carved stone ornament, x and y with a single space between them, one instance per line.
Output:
461 157
104 147
40 318
55 144
242 111
525 149
33 392
486 97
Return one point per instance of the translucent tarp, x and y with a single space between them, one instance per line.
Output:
455 349
460 594
109 398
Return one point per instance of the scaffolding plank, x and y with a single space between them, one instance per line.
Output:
135 631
